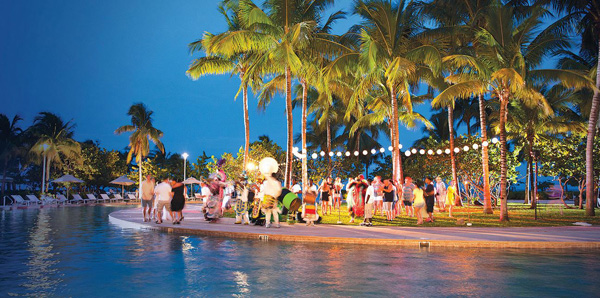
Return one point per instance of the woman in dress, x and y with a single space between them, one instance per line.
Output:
350 198
178 201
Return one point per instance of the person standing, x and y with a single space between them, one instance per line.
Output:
350 199
450 196
163 193
296 188
419 202
369 199
147 197
440 193
325 189
429 198
408 196
178 201
337 193
204 193
378 199
388 198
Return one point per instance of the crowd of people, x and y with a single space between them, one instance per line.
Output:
364 198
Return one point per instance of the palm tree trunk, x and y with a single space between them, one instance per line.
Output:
589 149
304 151
290 127
394 137
528 184
246 125
140 178
452 157
503 169
328 148
487 195
531 177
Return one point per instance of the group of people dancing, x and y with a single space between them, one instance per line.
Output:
367 197
169 196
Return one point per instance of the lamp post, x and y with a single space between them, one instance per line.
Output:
185 156
44 148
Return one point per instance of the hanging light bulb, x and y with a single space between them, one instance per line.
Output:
466 148
381 149
314 156
407 153
413 151
330 153
390 148
430 152
456 150
399 146
439 151
373 151
338 154
422 151
365 152
322 153
447 151
485 143
356 153
475 146
495 140
347 153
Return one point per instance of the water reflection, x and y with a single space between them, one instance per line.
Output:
74 252
41 277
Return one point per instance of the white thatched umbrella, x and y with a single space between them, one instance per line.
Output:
67 179
123 180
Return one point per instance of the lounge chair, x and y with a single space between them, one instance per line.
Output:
92 197
61 199
20 201
78 199
48 199
106 198
35 199
118 197
131 197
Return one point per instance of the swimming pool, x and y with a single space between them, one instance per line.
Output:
76 252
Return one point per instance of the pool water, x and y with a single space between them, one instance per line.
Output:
76 252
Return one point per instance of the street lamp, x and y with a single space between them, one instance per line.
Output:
185 156
44 148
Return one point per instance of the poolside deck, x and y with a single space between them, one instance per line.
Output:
527 237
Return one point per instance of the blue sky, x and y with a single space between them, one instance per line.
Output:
90 60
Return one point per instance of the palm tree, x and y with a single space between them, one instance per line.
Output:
55 142
391 57
11 143
509 53
219 61
586 14
143 132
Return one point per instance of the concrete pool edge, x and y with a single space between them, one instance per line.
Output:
123 219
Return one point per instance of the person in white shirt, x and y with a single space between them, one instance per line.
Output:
204 193
440 193
296 188
163 193
369 199
227 194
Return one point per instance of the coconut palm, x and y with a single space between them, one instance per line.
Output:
11 144
218 61
391 57
586 14
509 53
143 132
55 141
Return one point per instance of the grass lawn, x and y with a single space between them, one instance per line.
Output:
519 214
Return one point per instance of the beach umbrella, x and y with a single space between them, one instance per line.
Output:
67 179
192 181
123 180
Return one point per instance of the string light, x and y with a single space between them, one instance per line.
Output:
382 150
399 146
338 154
330 154
391 148
466 148
356 153
447 151
422 151
430 152
347 153
322 153
365 152
495 140
314 156
439 151
407 153
475 146
456 150
485 143
413 151
373 151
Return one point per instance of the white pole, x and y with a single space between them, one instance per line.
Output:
44 174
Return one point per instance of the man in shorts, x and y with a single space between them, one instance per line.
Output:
369 199
408 196
147 197
163 193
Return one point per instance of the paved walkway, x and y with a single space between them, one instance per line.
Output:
526 237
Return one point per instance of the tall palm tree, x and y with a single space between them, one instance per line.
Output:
143 132
219 61
390 58
11 144
586 14
55 141
510 51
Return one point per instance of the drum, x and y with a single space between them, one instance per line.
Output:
310 198
289 200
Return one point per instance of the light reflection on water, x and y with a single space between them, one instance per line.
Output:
75 252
